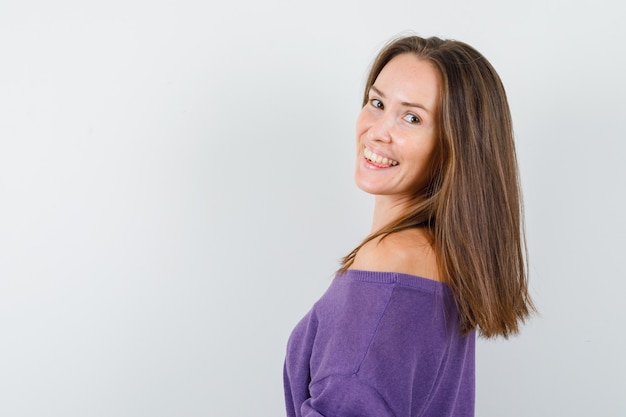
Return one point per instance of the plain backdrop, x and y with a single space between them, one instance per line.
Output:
176 191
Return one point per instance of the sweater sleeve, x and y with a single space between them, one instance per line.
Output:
344 396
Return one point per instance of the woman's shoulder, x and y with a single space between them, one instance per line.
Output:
409 252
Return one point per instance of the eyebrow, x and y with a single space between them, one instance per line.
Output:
404 103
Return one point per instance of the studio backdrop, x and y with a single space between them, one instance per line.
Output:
176 191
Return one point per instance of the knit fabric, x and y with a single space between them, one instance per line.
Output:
380 344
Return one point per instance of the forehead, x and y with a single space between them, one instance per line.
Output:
407 66
410 78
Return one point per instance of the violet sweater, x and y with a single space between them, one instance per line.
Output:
380 344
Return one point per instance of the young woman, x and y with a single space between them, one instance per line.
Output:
394 334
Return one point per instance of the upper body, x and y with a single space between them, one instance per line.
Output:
382 343
394 334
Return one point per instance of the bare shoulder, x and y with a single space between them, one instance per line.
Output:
408 252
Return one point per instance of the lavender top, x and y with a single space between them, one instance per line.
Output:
380 344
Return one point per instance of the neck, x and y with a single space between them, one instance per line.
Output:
386 210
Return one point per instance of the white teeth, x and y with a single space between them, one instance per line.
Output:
378 159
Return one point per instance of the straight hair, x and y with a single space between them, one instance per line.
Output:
472 207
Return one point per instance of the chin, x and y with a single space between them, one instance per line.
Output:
370 188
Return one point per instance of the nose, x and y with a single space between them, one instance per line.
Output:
381 128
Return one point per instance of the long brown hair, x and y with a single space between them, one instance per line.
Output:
472 207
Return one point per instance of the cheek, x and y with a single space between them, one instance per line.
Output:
362 123
433 159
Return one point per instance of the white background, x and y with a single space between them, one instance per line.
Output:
176 191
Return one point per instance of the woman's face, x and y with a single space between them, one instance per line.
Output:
396 132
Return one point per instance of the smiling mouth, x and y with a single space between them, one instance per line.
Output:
379 160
